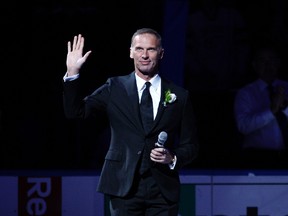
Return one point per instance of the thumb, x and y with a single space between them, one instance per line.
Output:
86 55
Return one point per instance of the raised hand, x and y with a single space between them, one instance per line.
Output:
75 58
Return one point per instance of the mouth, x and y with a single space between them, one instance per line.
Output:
145 62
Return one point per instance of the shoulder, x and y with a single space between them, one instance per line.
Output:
250 86
121 78
168 84
282 82
250 90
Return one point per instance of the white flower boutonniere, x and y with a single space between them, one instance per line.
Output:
169 97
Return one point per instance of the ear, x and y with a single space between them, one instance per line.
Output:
161 54
131 54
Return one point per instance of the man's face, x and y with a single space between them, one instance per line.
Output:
267 65
146 52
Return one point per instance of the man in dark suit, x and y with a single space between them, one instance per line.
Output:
138 177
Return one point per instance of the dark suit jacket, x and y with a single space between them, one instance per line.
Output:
118 97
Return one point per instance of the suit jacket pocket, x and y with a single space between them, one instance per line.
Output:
113 155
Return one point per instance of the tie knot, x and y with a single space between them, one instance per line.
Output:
147 84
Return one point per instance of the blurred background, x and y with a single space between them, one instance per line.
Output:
207 46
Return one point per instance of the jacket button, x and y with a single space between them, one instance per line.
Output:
139 152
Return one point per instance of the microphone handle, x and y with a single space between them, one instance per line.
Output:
159 145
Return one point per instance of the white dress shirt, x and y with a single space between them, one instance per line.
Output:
254 119
155 90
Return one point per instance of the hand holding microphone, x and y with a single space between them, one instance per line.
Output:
162 137
160 154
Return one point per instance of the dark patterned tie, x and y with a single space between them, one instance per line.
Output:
146 108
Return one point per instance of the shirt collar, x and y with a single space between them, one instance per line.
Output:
155 82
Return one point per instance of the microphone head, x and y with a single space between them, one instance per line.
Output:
162 137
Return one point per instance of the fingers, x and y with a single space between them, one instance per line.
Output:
78 43
74 42
160 151
159 155
81 42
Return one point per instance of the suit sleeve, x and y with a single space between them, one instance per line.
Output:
77 106
187 149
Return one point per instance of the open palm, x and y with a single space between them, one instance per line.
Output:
75 58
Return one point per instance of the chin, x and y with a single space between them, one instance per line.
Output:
145 72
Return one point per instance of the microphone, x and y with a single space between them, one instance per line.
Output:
162 137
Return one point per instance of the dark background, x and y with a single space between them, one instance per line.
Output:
34 131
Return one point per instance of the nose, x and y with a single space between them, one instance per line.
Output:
145 54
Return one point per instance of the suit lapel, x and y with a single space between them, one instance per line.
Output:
161 107
131 88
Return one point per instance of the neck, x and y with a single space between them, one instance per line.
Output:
144 76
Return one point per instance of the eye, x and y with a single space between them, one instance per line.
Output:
138 49
152 50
